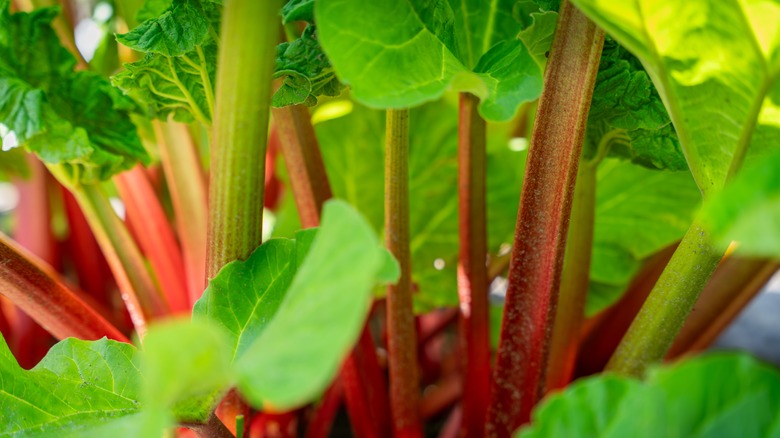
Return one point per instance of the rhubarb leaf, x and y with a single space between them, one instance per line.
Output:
180 28
482 25
627 118
713 63
748 210
244 297
417 60
74 120
306 71
296 356
723 395
78 385
298 10
186 370
638 212
538 34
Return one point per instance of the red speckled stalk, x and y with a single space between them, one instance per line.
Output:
472 266
542 222
35 287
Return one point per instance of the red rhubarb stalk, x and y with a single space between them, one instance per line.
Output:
189 195
542 222
36 288
472 266
155 236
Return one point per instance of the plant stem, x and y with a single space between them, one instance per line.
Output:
472 266
138 291
322 420
608 327
402 346
361 377
668 305
189 194
240 137
304 162
542 222
155 236
735 283
574 281
36 288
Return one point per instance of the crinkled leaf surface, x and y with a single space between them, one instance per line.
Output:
77 386
721 395
177 73
638 212
713 62
72 119
356 172
306 71
627 118
748 210
244 297
417 59
295 357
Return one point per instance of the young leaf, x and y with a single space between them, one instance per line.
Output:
244 297
306 71
298 10
718 395
627 118
638 212
713 62
77 386
297 354
72 119
748 210
417 60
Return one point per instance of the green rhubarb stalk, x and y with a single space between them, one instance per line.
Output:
671 300
402 345
250 30
138 291
574 281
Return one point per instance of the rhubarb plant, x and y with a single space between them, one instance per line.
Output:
528 192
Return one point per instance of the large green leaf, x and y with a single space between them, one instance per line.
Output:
75 120
713 62
748 210
178 30
715 396
244 297
638 212
295 357
77 386
627 118
416 60
355 169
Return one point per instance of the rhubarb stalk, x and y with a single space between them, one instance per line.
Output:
37 289
402 346
240 135
472 266
542 222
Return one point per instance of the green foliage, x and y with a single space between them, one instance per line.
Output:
77 386
713 396
748 210
306 71
73 120
176 75
419 58
713 62
245 296
627 118
638 212
298 10
355 170
13 164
